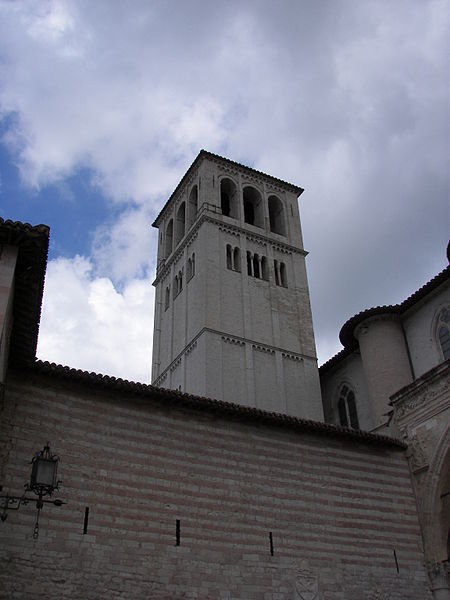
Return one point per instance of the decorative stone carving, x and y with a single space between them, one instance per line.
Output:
231 340
438 572
306 585
292 356
263 348
416 452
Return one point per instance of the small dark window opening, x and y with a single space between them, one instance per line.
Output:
253 210
280 273
229 257
276 215
264 269
86 520
342 413
237 259
225 204
193 205
249 264
228 198
249 212
180 224
256 271
168 239
283 275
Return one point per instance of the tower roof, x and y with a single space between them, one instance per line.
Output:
204 154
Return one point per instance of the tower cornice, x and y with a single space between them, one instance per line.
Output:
226 162
164 267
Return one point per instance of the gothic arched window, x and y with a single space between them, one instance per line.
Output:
348 415
443 332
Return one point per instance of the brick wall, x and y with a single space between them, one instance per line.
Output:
337 508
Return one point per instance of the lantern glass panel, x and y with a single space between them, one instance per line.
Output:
45 474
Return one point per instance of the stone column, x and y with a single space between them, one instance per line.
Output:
439 578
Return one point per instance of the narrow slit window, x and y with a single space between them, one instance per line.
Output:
167 298
86 520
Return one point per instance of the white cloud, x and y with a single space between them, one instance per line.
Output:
347 99
88 324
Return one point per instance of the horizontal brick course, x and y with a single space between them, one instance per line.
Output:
341 505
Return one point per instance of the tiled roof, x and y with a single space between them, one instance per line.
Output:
215 157
32 242
346 334
178 399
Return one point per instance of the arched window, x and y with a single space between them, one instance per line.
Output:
276 215
229 257
280 273
264 269
283 277
256 266
228 196
233 258
168 239
443 332
193 205
249 264
256 269
253 211
237 259
348 415
181 215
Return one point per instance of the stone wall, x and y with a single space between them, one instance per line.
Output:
339 511
422 415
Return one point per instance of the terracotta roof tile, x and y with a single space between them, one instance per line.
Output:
198 403
346 336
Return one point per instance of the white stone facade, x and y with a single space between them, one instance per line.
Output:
387 348
238 327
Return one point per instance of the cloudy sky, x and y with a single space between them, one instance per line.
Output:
104 105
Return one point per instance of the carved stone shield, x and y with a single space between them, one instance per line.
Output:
306 585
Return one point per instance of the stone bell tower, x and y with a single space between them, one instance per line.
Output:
232 314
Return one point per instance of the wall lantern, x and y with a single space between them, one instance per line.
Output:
43 482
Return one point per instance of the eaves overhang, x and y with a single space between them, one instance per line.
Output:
219 408
347 333
32 243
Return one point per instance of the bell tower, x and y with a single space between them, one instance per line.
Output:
232 313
